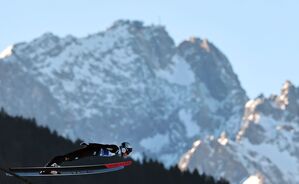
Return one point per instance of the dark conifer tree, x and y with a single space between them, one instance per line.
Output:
23 143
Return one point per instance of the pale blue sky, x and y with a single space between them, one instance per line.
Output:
260 37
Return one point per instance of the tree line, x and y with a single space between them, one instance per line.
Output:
24 143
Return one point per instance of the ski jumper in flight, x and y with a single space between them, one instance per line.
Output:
92 149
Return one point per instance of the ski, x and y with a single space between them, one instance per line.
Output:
70 170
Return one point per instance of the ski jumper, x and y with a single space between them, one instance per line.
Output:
92 149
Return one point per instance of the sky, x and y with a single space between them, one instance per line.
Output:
259 37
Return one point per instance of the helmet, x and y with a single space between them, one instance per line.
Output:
125 148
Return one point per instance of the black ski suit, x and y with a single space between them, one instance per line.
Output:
92 149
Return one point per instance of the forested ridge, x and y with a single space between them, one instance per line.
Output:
23 143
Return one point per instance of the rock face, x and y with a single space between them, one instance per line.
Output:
129 82
266 145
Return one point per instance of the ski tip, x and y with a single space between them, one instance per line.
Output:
119 164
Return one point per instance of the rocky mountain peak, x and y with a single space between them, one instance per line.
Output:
210 67
152 42
46 40
6 52
128 23
205 45
197 42
283 107
265 142
287 102
288 84
137 27
135 24
129 82
288 98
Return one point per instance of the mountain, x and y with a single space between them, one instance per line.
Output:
266 145
132 83
129 82
23 143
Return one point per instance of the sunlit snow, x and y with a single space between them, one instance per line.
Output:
179 72
183 164
253 180
95 75
205 45
6 52
282 159
191 127
223 140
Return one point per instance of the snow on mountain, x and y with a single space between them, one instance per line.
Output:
266 144
179 72
129 82
254 179
6 52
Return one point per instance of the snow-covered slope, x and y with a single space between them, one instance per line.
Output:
266 145
129 82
